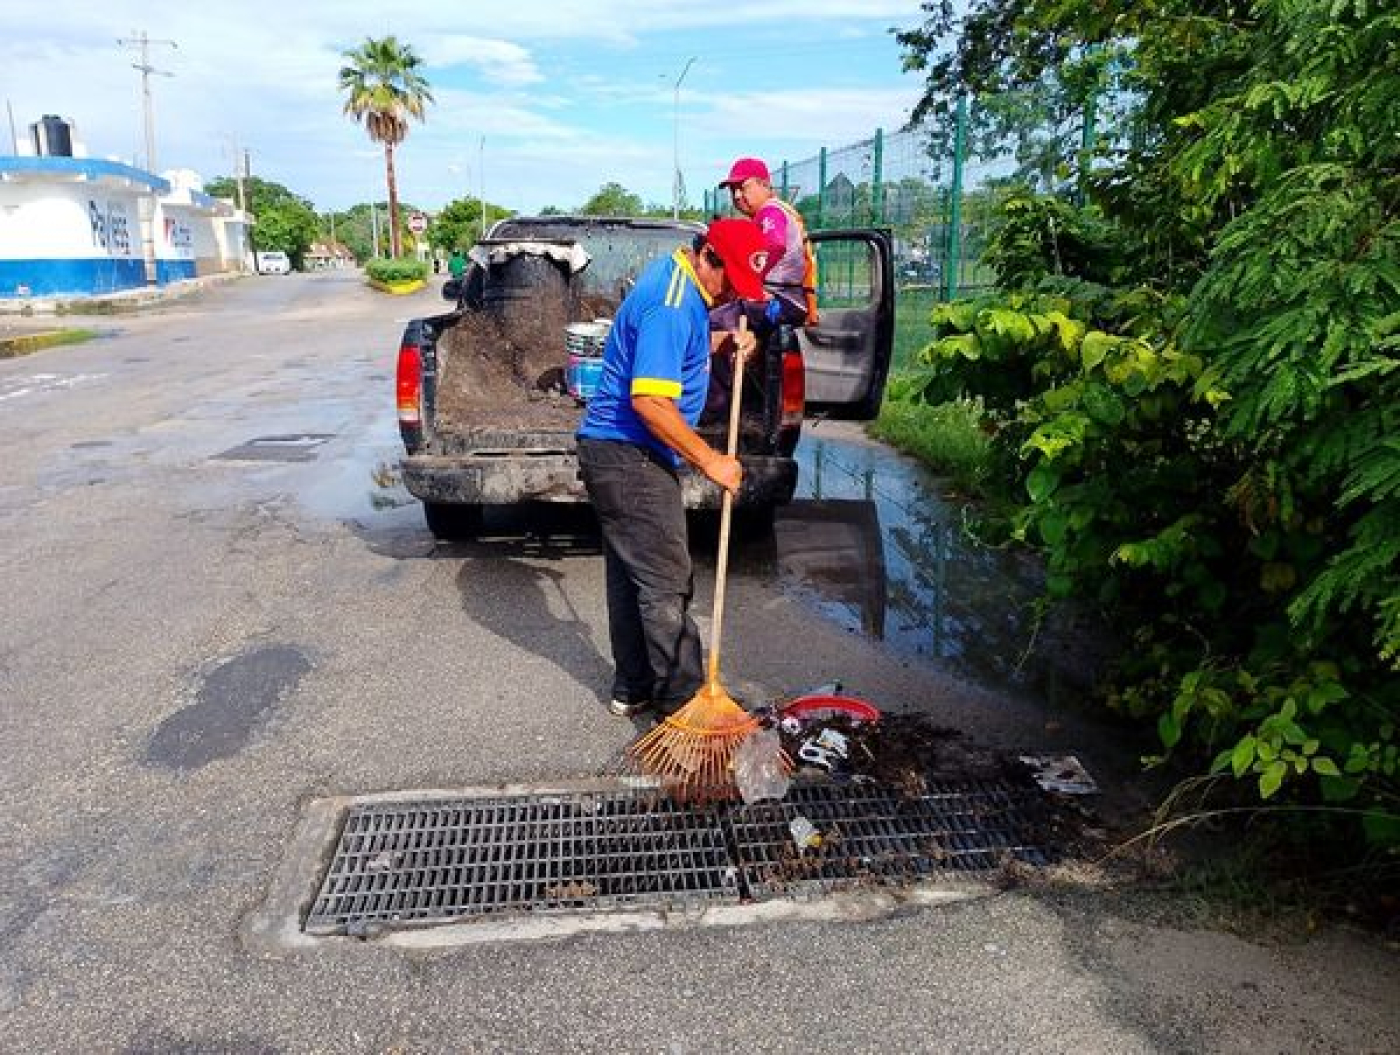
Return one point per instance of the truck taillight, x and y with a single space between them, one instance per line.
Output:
409 385
794 388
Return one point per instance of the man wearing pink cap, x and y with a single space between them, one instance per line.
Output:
639 426
791 277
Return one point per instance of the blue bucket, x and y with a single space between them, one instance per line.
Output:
582 375
584 342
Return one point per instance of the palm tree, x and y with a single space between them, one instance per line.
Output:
384 89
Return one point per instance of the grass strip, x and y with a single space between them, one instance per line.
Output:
26 344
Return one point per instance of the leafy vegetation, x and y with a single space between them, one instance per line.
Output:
401 269
613 199
459 224
1193 368
285 221
948 435
383 89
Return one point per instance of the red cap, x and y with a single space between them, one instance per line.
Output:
739 244
746 168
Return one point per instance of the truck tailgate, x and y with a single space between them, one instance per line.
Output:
509 475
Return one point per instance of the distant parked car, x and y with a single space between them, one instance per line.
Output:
921 271
274 263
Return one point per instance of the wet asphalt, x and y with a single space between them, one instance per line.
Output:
221 605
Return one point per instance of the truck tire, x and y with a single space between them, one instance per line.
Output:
750 524
452 523
754 522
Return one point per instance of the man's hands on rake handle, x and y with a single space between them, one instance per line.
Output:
661 415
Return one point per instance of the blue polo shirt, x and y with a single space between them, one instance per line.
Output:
659 345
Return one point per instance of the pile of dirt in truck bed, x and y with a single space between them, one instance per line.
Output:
502 368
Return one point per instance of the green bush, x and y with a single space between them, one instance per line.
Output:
1140 496
399 269
1196 381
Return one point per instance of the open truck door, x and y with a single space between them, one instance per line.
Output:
846 355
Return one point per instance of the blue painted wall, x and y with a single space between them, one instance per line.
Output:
168 271
48 277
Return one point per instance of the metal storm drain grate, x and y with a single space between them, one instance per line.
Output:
400 864
297 447
407 863
870 832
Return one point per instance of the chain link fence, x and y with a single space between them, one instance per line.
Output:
937 189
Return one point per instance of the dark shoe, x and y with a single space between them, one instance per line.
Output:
624 709
666 708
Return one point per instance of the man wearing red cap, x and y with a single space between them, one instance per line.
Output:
792 270
638 427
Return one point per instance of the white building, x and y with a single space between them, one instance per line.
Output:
78 225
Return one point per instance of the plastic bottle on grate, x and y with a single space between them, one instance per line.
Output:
805 833
758 766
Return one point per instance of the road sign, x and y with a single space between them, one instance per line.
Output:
417 222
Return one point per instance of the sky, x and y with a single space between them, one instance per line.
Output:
537 102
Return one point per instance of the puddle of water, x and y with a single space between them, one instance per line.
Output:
871 543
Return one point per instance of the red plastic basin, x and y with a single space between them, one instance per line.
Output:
822 706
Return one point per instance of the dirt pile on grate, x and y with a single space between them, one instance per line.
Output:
502 368
905 752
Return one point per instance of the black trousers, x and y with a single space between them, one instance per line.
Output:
650 581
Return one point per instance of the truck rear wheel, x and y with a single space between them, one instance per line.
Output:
452 523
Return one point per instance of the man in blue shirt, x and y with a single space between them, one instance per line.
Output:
639 425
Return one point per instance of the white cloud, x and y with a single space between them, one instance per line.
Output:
568 93
500 62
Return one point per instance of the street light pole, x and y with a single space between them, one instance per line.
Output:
676 138
481 175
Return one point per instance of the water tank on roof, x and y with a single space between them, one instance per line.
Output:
53 137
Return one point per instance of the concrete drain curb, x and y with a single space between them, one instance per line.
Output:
319 846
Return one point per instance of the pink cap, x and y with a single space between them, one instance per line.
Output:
746 168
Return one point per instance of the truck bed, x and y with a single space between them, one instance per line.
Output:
501 373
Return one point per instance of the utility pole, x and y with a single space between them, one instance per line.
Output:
245 171
237 155
145 204
142 42
677 184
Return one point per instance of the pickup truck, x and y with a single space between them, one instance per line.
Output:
487 419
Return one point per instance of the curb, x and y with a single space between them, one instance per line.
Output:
112 303
275 927
13 347
398 288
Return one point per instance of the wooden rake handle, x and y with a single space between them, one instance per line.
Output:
726 512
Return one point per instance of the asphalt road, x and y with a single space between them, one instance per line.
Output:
200 637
